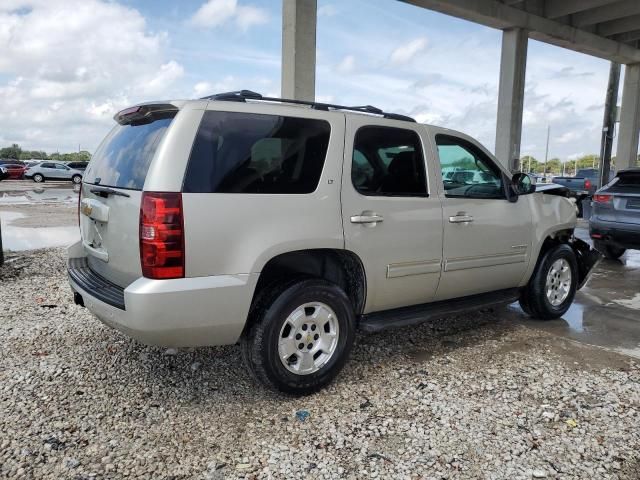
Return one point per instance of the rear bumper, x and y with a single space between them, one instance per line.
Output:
623 235
185 312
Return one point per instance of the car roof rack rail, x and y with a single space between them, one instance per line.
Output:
244 95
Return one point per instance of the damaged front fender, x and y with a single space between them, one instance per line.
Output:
587 258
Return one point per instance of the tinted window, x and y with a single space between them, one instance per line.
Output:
466 170
123 158
48 165
388 162
253 153
630 179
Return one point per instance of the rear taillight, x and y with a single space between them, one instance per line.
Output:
587 184
162 235
602 198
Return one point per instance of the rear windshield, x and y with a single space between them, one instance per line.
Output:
629 180
255 153
123 158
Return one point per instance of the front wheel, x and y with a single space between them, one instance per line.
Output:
609 251
553 286
76 179
38 178
300 336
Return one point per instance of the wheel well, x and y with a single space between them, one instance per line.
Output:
342 267
556 238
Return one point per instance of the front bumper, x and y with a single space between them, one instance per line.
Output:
622 235
587 258
185 312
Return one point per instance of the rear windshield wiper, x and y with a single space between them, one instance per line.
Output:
106 191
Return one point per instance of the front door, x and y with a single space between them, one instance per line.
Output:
487 239
391 218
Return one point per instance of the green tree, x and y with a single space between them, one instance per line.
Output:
11 152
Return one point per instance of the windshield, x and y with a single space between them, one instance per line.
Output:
123 158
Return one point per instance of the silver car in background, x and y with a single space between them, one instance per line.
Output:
49 170
615 220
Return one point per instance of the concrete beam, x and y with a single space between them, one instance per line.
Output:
606 13
513 66
560 8
629 132
621 25
299 49
498 15
627 36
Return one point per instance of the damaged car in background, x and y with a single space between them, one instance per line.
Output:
286 225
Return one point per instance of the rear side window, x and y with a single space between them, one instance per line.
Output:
388 162
254 153
123 158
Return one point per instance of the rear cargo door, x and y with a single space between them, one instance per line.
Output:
626 197
111 196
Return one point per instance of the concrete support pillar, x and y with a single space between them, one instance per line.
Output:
629 133
513 66
299 49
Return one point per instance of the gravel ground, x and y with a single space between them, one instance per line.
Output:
468 397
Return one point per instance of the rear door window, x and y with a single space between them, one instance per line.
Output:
123 158
255 153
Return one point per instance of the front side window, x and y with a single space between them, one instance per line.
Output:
467 172
388 162
255 153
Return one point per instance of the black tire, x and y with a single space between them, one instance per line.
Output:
76 179
609 251
38 178
268 316
534 299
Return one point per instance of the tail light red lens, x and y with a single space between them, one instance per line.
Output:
162 235
602 198
587 184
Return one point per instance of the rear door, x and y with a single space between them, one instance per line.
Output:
48 170
391 218
109 222
626 197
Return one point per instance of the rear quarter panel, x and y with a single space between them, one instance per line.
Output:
228 233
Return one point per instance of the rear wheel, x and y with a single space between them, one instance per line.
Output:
38 178
553 285
609 251
300 336
76 179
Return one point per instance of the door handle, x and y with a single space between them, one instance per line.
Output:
366 217
461 217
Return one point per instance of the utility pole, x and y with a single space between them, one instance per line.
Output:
546 152
609 123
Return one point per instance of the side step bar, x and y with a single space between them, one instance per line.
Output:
406 316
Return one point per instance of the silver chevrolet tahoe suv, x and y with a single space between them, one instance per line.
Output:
287 225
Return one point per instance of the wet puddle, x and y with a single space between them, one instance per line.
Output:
40 195
29 238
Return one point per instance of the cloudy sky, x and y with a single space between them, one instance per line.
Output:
66 66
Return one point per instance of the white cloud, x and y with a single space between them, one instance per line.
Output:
70 65
215 13
347 65
328 10
405 53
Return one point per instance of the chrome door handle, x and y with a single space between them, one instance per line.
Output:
460 218
366 218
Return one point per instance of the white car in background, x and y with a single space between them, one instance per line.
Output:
49 170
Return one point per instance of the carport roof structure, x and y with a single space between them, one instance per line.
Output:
609 29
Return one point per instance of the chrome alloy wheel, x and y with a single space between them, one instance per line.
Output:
558 283
308 338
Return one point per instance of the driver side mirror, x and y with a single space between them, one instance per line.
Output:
523 183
